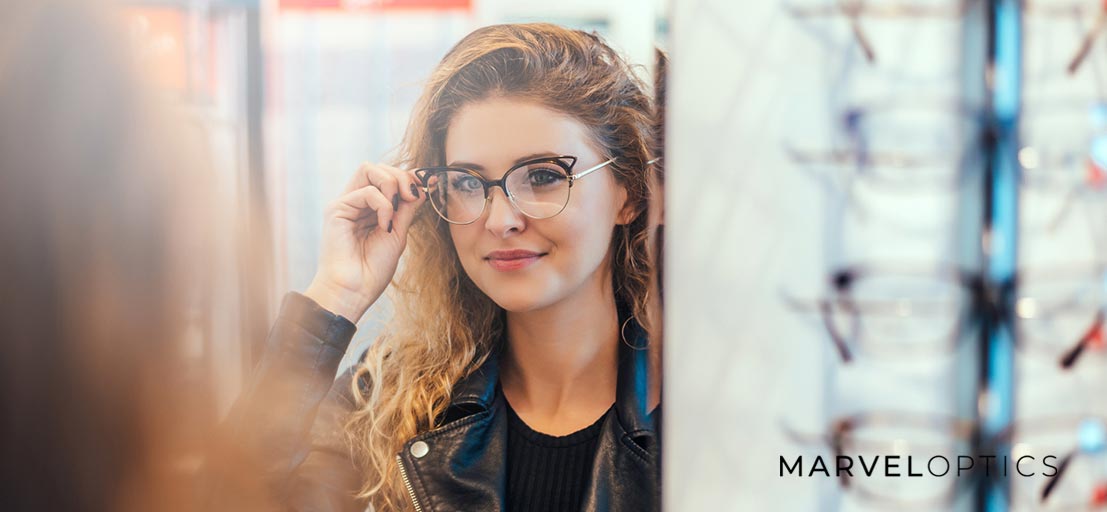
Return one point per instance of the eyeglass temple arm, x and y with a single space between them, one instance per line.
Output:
853 13
586 172
1089 38
822 308
590 170
1069 358
1056 478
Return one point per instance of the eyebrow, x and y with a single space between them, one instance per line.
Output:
480 168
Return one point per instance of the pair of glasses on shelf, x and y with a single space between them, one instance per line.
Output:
898 146
897 163
1063 160
539 188
865 18
933 147
917 41
902 313
1073 477
1062 32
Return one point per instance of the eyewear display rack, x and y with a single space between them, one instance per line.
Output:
1003 156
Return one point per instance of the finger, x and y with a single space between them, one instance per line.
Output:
359 179
355 205
383 179
408 183
373 174
395 206
405 214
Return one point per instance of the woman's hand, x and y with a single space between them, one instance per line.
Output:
364 234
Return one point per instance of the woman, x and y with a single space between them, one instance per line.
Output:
516 372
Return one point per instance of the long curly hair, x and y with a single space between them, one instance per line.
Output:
444 327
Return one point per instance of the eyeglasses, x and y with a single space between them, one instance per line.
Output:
1064 166
894 312
904 147
856 9
1063 124
889 161
1074 12
538 188
875 435
906 312
1080 481
896 31
1079 443
906 150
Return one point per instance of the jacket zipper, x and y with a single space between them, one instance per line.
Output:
407 483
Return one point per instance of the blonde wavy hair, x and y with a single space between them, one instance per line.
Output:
444 327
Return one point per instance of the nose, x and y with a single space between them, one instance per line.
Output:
503 218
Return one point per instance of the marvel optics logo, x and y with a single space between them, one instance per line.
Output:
891 466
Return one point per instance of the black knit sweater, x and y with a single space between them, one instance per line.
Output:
548 473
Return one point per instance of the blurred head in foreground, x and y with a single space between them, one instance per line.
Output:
100 224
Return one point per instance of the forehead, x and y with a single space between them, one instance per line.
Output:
494 133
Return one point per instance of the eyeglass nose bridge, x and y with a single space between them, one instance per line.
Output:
502 183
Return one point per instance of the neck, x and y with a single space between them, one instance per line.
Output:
562 360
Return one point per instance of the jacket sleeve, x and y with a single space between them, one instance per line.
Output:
290 415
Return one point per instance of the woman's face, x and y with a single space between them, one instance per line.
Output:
572 246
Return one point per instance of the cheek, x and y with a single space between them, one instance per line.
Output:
463 239
583 232
593 210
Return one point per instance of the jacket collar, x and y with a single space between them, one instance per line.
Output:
479 388
476 392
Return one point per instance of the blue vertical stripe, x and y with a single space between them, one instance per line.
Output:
1003 247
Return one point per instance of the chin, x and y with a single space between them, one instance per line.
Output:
518 299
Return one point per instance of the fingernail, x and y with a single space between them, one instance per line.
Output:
395 201
389 226
415 191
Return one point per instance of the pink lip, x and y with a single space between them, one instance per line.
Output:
512 260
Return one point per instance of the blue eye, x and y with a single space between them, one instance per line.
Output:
466 183
544 176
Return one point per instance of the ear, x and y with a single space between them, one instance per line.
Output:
628 210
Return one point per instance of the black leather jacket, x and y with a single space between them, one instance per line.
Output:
292 417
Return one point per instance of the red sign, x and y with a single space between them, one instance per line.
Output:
375 5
